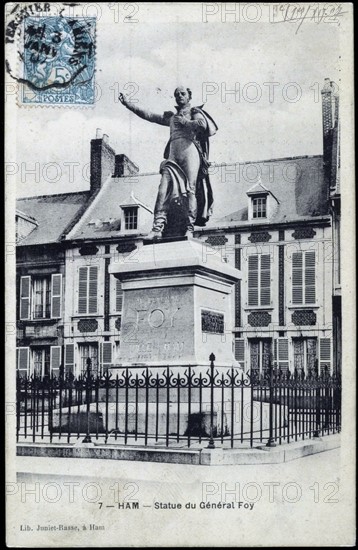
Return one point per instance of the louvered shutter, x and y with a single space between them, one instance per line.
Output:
25 298
82 290
325 353
23 361
55 360
297 278
310 277
253 280
265 281
281 352
119 295
92 289
240 351
56 295
106 349
69 358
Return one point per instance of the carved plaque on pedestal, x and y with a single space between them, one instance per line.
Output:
157 325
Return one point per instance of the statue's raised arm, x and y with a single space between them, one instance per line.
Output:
163 119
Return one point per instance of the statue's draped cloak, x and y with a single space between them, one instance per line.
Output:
204 193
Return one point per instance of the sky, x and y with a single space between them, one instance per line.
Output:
276 70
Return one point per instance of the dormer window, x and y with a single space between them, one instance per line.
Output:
130 217
259 207
262 203
134 215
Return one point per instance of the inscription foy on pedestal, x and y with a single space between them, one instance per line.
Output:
157 324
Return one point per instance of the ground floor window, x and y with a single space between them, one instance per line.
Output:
304 354
41 361
88 351
260 354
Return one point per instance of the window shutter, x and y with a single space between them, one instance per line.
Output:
82 290
310 277
253 280
69 358
25 296
56 295
105 356
22 361
325 353
297 278
119 295
240 351
265 280
55 360
92 290
281 352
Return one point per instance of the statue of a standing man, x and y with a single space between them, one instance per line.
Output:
184 173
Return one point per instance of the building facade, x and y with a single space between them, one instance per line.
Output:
277 221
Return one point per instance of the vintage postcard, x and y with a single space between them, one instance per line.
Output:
179 253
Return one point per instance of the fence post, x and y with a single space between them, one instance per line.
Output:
271 440
88 439
211 440
318 396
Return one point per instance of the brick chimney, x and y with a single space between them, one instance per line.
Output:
102 160
124 167
330 114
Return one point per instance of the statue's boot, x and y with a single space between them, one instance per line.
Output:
159 222
154 235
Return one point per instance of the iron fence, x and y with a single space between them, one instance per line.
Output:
185 407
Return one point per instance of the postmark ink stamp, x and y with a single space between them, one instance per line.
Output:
59 60
56 60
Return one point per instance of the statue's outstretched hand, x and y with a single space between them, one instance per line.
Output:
122 98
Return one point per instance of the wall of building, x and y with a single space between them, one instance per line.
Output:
40 334
281 318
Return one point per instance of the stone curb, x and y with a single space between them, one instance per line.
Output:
204 457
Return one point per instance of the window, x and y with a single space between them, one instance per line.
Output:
260 355
259 280
99 355
304 354
303 277
41 297
259 207
41 361
131 217
87 289
88 351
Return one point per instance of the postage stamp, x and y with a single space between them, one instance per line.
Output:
58 60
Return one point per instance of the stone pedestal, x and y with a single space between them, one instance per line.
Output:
177 306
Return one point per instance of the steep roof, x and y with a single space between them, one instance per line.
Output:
53 213
296 182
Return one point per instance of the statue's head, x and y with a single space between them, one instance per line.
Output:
182 95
